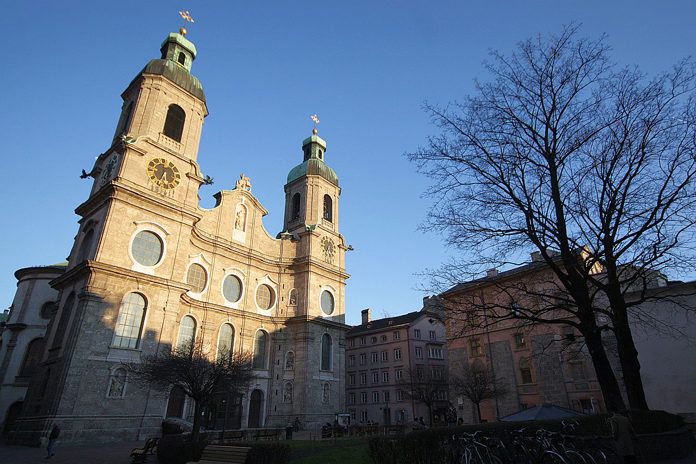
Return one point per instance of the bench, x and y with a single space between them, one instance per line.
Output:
141 454
218 453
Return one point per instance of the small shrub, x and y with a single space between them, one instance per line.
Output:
179 449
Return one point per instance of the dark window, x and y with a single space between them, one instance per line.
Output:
328 208
326 343
295 207
182 58
259 359
174 124
64 315
125 119
85 247
32 357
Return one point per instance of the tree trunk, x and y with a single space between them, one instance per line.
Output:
628 355
478 413
196 428
605 374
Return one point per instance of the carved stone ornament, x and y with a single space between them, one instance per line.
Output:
243 183
328 249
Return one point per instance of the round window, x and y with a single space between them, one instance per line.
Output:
232 288
196 278
147 248
327 302
265 297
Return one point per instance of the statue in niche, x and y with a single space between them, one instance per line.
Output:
326 393
292 301
240 220
287 393
290 360
244 183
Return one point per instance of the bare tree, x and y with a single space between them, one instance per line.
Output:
426 384
589 165
477 383
201 378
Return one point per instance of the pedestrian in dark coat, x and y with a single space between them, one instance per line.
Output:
55 433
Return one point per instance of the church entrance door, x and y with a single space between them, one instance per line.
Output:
255 405
175 405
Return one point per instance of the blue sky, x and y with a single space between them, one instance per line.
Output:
365 67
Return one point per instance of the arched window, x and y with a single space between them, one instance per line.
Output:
187 334
129 325
182 58
290 360
225 342
32 357
174 124
117 383
85 246
326 343
295 207
328 208
260 344
64 315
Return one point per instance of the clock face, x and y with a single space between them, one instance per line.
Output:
328 248
109 167
163 173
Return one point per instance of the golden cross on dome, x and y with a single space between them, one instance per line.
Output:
315 119
186 16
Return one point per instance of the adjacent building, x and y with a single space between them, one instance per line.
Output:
22 336
534 364
391 362
151 270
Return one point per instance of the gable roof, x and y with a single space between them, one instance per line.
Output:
385 323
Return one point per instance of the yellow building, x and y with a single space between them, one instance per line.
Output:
150 269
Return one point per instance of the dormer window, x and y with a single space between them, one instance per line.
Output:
182 58
174 124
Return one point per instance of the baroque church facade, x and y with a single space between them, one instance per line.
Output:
151 270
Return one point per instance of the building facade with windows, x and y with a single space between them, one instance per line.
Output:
22 336
549 363
533 364
384 357
151 270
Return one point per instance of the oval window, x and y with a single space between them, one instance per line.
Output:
265 297
147 248
232 288
197 278
327 302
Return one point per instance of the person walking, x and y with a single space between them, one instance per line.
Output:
623 434
55 433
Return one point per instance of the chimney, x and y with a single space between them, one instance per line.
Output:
492 272
366 315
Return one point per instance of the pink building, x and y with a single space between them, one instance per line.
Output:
384 357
